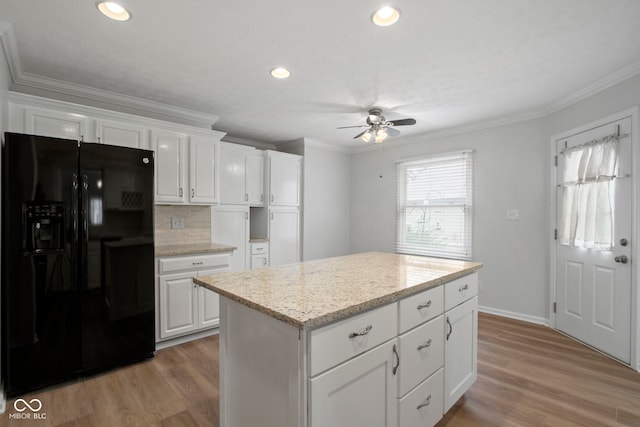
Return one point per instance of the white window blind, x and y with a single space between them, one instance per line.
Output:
434 205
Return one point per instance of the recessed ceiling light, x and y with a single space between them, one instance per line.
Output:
113 10
386 16
280 73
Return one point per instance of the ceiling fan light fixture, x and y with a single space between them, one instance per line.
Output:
280 73
386 16
366 137
113 10
381 135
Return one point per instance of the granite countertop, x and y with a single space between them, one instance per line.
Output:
192 248
312 293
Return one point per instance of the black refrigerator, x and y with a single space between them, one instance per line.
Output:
77 259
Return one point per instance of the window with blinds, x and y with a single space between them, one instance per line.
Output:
434 205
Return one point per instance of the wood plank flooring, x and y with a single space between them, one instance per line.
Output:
528 375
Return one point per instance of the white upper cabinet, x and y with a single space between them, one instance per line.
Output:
284 176
203 170
170 149
186 157
232 177
57 124
255 178
121 134
241 175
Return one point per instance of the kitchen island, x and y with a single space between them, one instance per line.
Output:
373 339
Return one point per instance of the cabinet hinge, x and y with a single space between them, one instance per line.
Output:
554 307
556 161
555 234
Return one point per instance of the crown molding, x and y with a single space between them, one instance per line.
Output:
53 88
613 79
594 88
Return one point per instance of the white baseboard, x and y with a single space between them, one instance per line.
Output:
513 315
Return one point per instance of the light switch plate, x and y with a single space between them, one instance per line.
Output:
513 214
177 222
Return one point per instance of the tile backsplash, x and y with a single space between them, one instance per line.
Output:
197 224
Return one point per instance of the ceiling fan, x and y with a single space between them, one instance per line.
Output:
379 128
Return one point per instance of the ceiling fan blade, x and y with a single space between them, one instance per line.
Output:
402 122
391 131
347 127
361 133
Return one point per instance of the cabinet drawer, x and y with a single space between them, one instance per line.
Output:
196 262
340 341
423 406
460 290
421 307
259 248
421 354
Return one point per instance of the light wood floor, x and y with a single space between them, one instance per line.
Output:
528 375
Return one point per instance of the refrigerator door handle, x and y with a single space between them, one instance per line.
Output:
84 214
74 224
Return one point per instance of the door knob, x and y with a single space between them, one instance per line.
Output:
621 259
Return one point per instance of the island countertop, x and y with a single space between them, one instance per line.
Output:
312 293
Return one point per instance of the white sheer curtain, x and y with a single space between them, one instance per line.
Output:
586 218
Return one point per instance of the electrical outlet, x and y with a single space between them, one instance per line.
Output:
177 222
513 214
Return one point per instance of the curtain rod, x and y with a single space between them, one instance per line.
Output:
615 135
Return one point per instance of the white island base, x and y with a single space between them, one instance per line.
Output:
403 363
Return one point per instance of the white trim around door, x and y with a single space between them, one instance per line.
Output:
634 115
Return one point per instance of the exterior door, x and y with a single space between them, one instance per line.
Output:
593 288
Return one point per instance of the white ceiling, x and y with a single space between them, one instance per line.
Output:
446 63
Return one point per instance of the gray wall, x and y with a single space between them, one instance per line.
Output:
326 202
512 169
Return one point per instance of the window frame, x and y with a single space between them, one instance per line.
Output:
463 251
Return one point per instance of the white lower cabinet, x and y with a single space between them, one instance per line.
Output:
360 392
259 254
184 307
423 405
460 351
401 364
284 236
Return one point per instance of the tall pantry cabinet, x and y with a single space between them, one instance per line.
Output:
279 221
260 191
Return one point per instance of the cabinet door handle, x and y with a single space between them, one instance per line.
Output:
180 191
425 404
362 333
425 345
273 198
395 353
198 263
246 197
193 192
424 305
463 288
264 261
450 328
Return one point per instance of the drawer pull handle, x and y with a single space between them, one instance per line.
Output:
450 328
395 353
425 345
424 305
362 333
425 404
463 288
198 263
